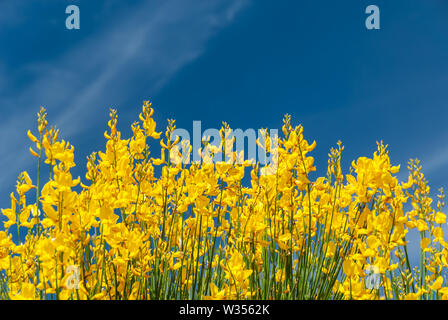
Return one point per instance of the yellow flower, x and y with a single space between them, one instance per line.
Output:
26 292
424 243
437 284
440 218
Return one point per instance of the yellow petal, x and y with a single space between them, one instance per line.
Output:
437 284
32 137
424 243
34 153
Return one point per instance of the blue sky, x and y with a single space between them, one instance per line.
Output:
246 62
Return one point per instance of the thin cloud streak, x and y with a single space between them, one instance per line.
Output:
158 39
435 162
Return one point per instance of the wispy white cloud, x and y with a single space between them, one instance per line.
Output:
435 161
157 39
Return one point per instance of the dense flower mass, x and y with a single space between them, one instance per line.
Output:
144 227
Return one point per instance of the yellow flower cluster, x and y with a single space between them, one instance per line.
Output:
143 227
